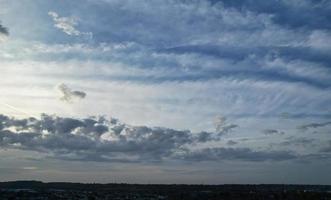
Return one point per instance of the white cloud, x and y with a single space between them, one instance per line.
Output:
67 24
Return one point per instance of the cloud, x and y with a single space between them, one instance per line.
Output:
3 32
244 154
231 142
313 125
241 59
205 137
30 168
212 40
92 138
272 132
103 140
305 14
297 141
326 149
221 126
69 95
67 24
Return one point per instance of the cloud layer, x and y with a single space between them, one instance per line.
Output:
99 139
313 125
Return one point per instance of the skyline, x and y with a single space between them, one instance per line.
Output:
166 91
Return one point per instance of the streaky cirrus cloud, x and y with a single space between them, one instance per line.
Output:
305 14
297 141
68 95
313 125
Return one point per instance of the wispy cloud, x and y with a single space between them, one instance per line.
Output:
297 141
231 142
313 125
67 24
222 127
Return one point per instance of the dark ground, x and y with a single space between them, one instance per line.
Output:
40 190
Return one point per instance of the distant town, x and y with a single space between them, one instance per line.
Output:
27 190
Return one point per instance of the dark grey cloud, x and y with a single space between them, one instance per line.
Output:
327 149
102 140
231 142
96 138
273 132
297 141
313 125
221 125
205 136
3 32
69 95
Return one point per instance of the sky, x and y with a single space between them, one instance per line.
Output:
166 91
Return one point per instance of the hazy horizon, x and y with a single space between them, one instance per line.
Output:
166 91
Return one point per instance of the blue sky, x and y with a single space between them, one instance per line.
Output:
166 91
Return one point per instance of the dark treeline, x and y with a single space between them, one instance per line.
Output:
61 190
